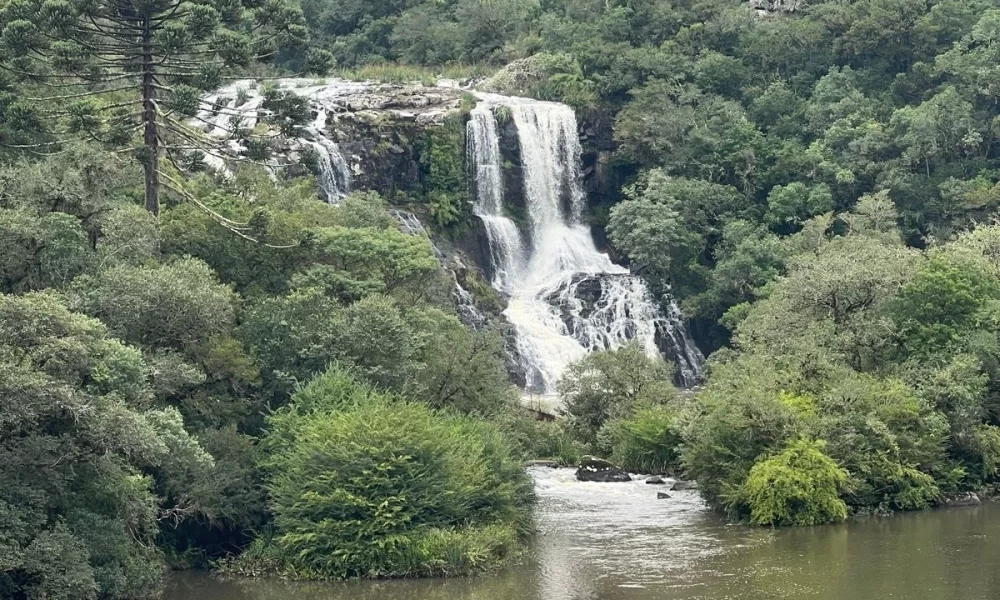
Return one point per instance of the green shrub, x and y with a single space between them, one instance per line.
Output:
611 384
544 440
442 162
367 485
797 487
647 441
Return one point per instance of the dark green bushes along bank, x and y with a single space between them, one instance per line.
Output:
143 360
863 380
365 484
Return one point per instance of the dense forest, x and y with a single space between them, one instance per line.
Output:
206 371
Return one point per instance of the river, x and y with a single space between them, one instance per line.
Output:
616 541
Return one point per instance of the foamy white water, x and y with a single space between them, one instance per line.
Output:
565 297
545 276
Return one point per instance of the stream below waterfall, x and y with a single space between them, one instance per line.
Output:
608 541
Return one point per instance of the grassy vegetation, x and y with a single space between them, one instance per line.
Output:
401 73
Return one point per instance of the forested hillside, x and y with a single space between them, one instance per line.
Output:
817 183
209 369
735 123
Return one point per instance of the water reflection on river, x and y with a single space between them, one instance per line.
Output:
617 541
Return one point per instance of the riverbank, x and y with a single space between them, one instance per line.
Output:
618 542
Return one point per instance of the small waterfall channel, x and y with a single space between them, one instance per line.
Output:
334 174
565 297
239 103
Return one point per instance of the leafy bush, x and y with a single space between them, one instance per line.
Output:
735 421
546 440
609 384
86 466
797 487
367 485
442 161
647 441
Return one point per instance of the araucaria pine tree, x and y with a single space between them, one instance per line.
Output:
130 73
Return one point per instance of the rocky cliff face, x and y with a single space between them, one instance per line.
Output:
408 142
379 132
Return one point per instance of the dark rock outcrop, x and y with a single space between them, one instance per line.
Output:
656 481
685 485
515 201
963 499
601 471
663 496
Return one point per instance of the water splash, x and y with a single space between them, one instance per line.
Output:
565 297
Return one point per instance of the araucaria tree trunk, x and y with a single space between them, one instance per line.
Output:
151 137
131 68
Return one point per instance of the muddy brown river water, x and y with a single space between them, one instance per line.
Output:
618 542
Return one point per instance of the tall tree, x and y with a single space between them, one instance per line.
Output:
110 69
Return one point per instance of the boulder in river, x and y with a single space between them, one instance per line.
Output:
656 480
685 485
662 496
595 469
552 464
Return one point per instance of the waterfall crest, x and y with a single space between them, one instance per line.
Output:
565 297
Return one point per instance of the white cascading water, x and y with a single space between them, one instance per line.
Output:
334 174
242 99
507 252
565 297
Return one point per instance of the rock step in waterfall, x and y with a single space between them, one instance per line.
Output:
237 106
565 298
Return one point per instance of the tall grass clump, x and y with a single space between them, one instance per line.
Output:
364 484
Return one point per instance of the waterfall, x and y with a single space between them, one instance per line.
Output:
507 252
241 102
565 297
334 174
678 345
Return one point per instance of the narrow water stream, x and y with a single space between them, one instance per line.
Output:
618 542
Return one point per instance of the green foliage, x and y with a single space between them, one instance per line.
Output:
610 384
671 227
799 486
149 444
40 252
647 441
544 440
879 350
173 305
365 485
795 203
86 463
79 50
442 154
739 419
946 299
